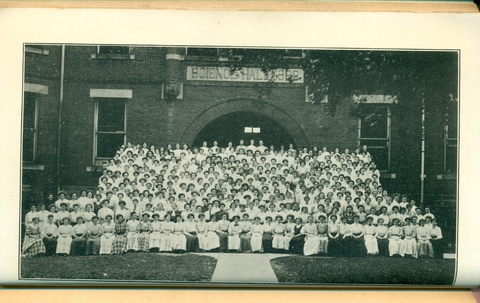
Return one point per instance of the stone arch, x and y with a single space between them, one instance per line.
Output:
245 104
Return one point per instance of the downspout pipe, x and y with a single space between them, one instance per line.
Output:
60 108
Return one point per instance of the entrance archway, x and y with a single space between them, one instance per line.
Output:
255 107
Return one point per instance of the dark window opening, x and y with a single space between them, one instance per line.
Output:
110 126
29 126
114 50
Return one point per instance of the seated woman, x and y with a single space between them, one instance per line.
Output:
190 232
79 241
334 246
108 235
245 235
156 234
256 231
436 239
179 239
298 239
202 232
278 242
345 238
381 233
33 244
234 231
132 224
166 239
289 226
64 241
94 232
311 237
371 243
424 246
322 228
395 234
409 243
358 243
119 245
267 237
49 235
223 225
144 229
213 242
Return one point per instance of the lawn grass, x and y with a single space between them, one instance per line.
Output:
377 270
139 266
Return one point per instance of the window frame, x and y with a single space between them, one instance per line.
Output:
96 132
35 125
447 143
387 139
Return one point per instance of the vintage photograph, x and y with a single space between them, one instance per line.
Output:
230 165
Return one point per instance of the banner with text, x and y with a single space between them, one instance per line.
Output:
246 74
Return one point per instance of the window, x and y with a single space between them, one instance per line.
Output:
202 52
30 121
113 52
37 49
374 131
451 133
110 126
252 130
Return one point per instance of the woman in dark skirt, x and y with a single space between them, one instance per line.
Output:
79 241
223 225
381 232
436 239
298 239
190 231
267 237
119 245
334 245
358 248
245 235
49 234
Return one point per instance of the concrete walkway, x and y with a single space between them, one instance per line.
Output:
243 268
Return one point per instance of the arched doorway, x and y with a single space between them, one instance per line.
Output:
244 126
263 109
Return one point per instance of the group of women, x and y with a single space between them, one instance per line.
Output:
244 198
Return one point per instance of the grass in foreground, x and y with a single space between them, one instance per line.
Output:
139 266
378 270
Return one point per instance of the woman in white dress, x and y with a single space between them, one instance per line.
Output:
278 242
234 231
289 231
167 237
202 232
311 239
424 246
409 243
213 241
179 238
257 232
64 241
106 240
156 235
132 235
395 234
371 243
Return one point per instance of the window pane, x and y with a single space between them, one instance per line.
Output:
374 122
108 144
380 157
29 111
28 144
204 52
452 122
111 115
451 159
114 50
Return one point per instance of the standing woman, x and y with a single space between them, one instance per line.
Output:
311 237
358 243
166 239
213 242
256 231
245 235
33 243
179 239
371 243
190 232
202 232
395 234
49 236
106 240
94 233
65 233
289 226
132 224
436 239
267 237
144 229
381 233
334 245
322 228
156 234
298 239
119 244
79 241
278 242
409 243
424 246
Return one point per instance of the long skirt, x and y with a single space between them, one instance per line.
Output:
311 245
93 246
79 247
63 245
119 245
383 247
278 241
334 247
357 248
409 247
347 245
202 241
50 246
213 241
223 238
154 239
267 239
132 241
425 248
106 244
287 240
437 248
323 244
192 243
179 242
245 245
166 242
234 242
143 241
371 244
394 244
256 242
296 244
33 246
